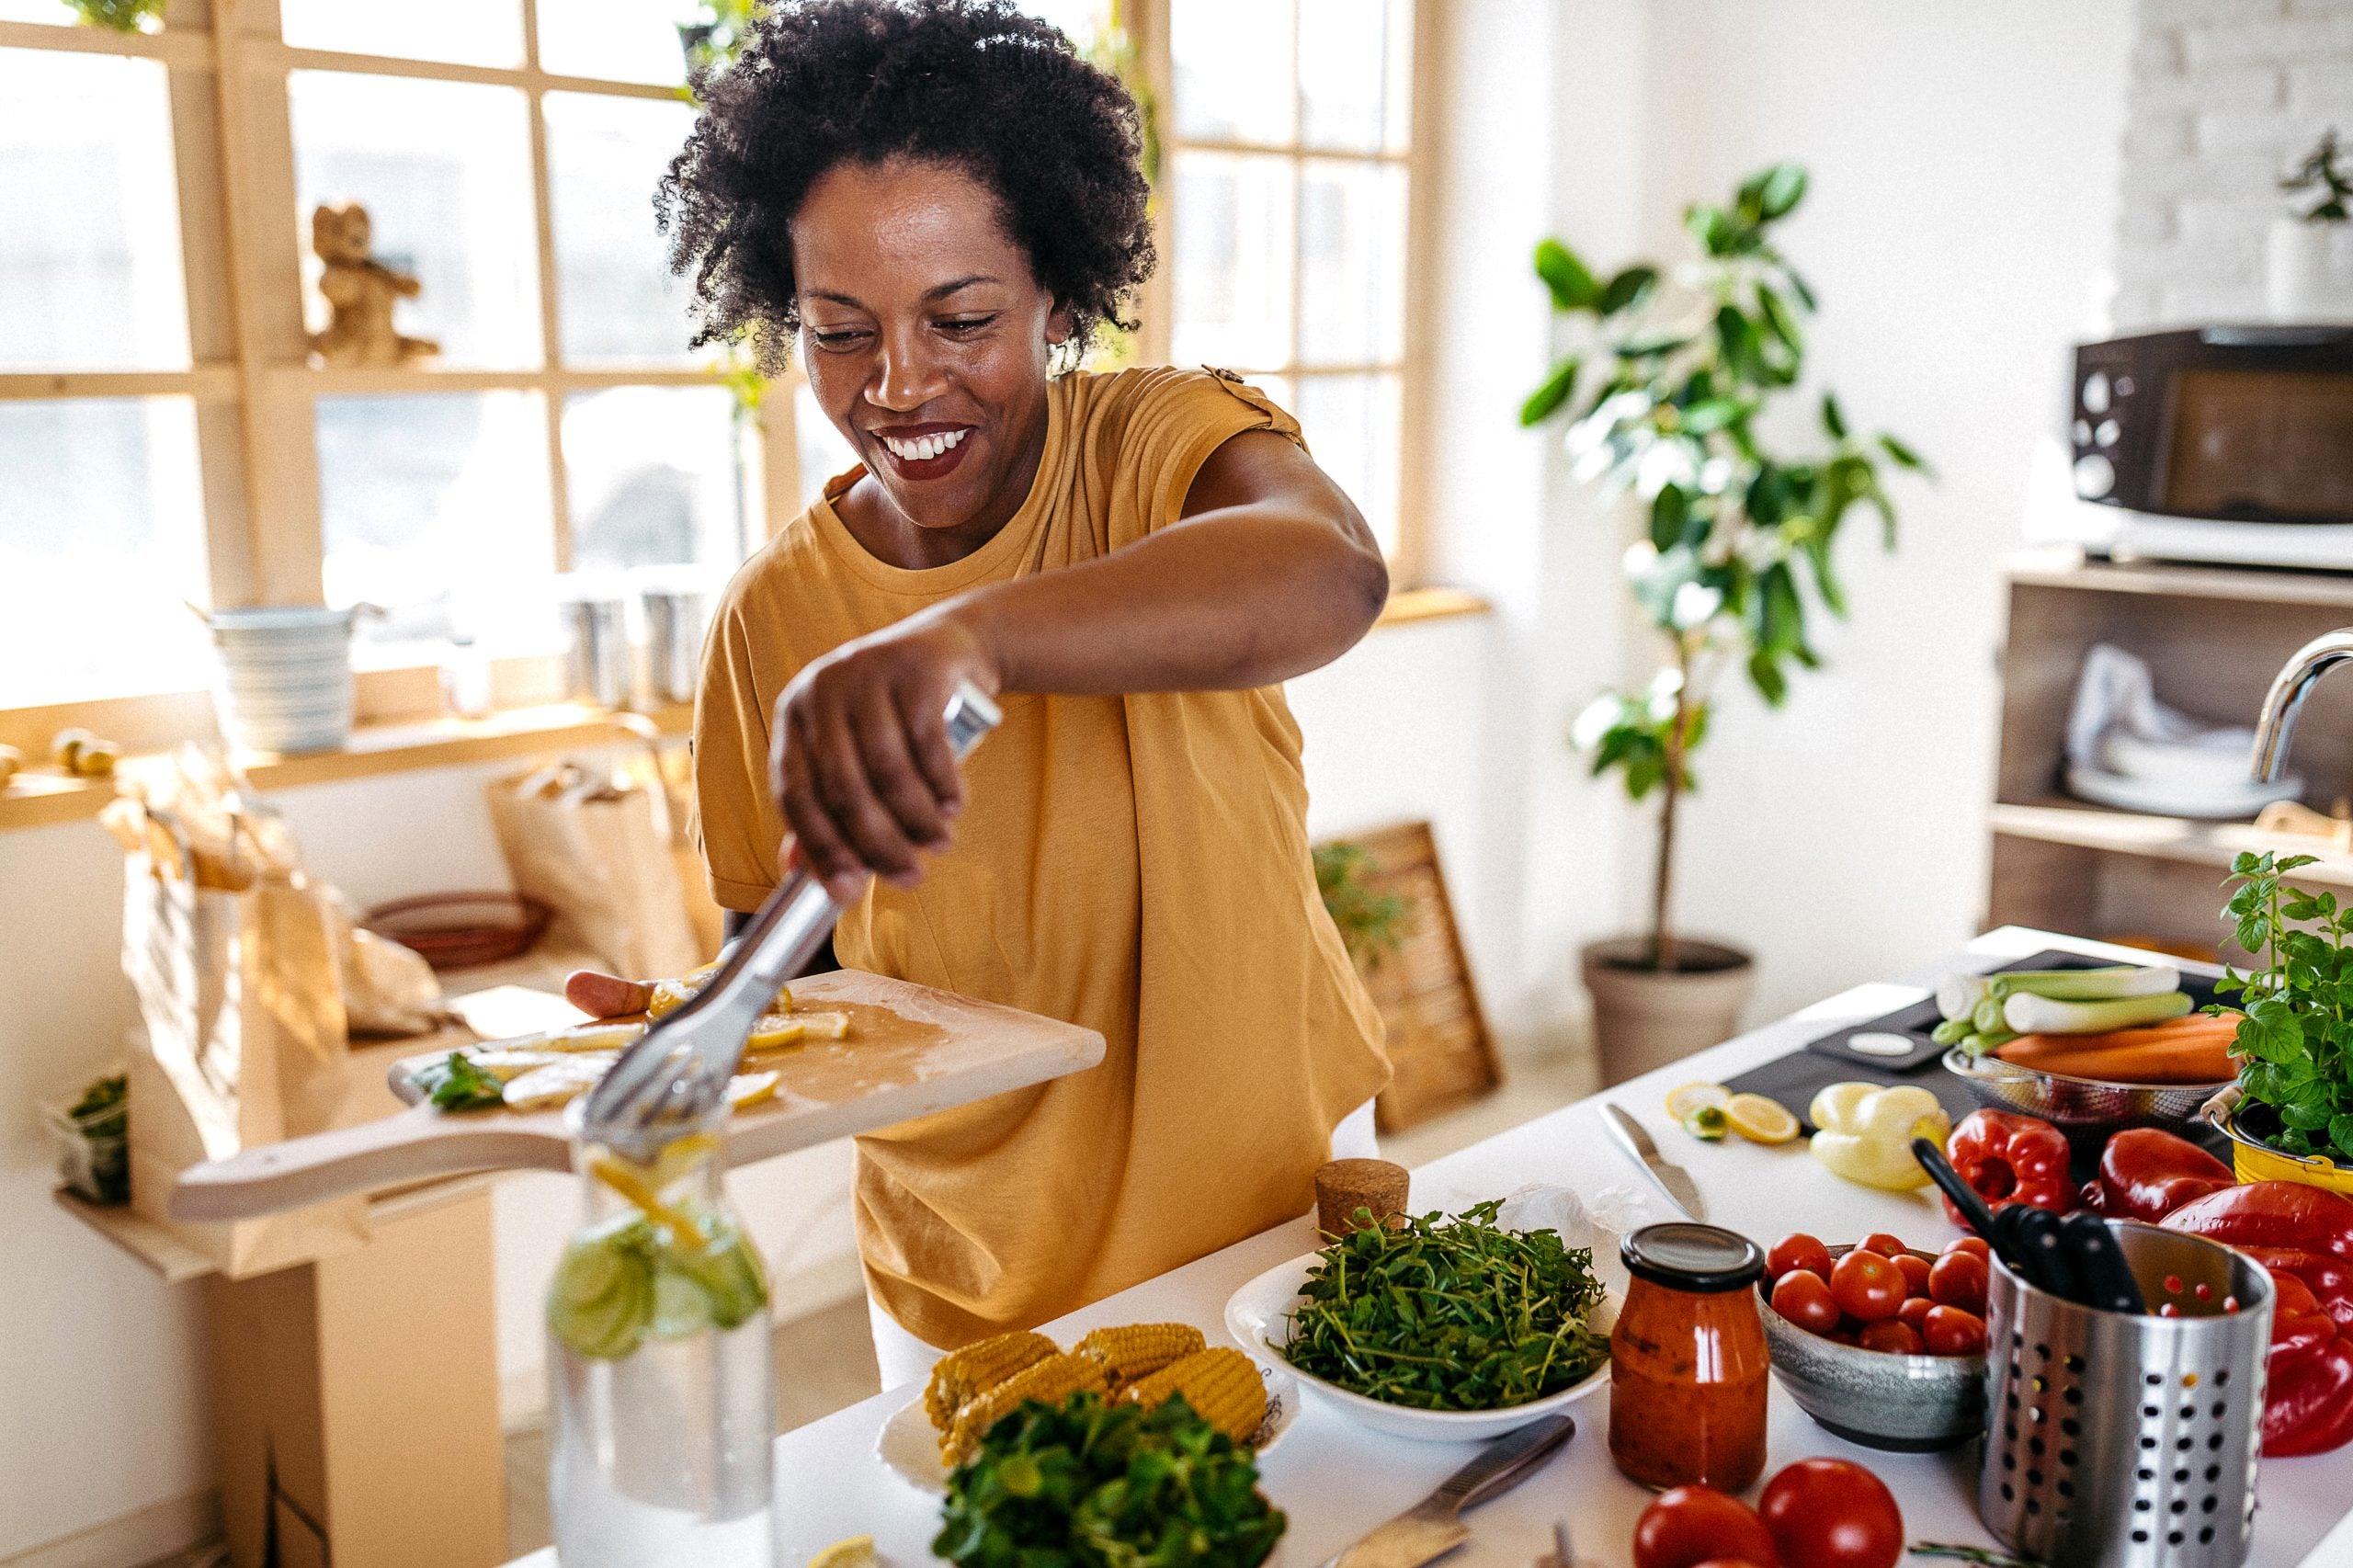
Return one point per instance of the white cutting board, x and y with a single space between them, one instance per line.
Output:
911 1051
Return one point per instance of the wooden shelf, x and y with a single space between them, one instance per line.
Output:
2256 585
40 799
144 1240
2186 840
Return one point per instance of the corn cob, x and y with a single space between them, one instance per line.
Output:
1050 1381
1222 1385
963 1375
1134 1351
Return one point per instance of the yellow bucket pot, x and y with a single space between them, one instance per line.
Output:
2251 1161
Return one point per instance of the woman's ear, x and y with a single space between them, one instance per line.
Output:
1059 323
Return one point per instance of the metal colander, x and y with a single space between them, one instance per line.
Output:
2079 1105
2123 1440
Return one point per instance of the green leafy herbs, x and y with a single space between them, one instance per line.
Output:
2295 1040
631 1279
1372 923
456 1084
2331 187
1668 390
104 1109
122 16
1449 1315
1090 1485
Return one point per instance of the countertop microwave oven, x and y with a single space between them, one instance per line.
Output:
2217 444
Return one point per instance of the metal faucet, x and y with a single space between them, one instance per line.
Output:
2295 682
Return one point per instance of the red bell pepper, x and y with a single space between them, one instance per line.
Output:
2303 1236
2146 1174
2010 1159
2308 1405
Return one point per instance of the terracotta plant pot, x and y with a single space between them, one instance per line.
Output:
1643 1018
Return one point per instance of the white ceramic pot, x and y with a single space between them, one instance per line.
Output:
2298 285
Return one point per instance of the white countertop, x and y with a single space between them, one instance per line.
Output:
1336 1480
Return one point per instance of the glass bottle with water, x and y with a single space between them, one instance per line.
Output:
664 1409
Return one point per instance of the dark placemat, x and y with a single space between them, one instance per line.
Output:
1794 1079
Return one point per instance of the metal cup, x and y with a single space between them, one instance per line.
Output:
674 629
596 668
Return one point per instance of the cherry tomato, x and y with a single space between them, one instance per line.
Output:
1913 1309
1798 1251
1914 1272
1802 1297
1892 1335
1866 1285
1833 1514
1882 1244
1949 1331
1692 1524
1958 1280
1975 1245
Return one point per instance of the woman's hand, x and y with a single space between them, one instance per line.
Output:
861 761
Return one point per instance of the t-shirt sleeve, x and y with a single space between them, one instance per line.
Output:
737 825
1181 416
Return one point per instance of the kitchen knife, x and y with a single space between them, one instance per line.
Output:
2050 1266
1434 1527
2106 1277
1672 1179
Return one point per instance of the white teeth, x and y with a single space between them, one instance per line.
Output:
924 448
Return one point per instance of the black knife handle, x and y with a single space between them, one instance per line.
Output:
2107 1278
1505 1462
2052 1270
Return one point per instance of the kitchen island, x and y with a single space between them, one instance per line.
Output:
1336 1480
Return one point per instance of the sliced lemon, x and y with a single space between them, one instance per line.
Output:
560 1082
773 1033
750 1088
1696 1096
669 995
505 1064
824 1026
856 1551
588 1036
1706 1123
1760 1121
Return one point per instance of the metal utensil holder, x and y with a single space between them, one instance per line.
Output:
2121 1440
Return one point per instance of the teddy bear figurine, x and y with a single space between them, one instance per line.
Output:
360 290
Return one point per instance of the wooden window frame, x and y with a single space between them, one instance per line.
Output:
256 394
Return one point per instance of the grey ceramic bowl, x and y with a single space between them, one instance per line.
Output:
1908 1403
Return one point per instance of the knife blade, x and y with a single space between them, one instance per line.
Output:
1672 1179
1434 1525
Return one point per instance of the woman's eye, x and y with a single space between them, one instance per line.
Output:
843 338
966 324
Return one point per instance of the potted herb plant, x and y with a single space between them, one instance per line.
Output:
2297 283
1664 391
2289 1116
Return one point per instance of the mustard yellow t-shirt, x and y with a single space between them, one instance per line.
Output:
1138 865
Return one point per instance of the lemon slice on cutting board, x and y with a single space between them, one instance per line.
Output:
1692 1097
1760 1121
751 1088
858 1552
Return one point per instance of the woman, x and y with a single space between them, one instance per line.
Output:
943 204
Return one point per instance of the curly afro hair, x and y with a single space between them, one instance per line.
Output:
973 82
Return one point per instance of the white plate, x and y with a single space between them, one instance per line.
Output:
1258 1316
909 1444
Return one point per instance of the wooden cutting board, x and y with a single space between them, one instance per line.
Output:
911 1051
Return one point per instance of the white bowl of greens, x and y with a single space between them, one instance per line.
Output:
1332 1319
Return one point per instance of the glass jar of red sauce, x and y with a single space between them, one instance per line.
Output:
1688 1360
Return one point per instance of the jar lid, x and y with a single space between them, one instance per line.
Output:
1683 1256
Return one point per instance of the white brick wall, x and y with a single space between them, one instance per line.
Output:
2225 96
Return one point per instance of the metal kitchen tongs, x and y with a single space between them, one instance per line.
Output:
676 1073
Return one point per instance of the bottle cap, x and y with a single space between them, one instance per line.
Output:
1683 1256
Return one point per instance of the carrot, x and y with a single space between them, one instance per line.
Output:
2195 1050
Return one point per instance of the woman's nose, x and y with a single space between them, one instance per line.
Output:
904 377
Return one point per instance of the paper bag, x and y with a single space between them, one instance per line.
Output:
594 846
244 1045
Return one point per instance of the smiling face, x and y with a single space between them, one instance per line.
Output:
927 341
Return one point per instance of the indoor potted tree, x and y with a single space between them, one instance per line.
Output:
2297 275
1663 391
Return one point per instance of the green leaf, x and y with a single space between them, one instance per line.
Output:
1780 319
1905 456
1783 187
1627 289
1670 514
1764 674
1710 415
1737 337
1569 279
1546 399
1780 618
1715 229
1833 419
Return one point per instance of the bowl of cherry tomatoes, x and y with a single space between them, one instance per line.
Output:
1882 1342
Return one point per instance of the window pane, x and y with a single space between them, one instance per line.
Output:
1352 263
469 32
820 448
102 534
89 216
1343 71
434 506
1351 423
618 40
444 169
56 11
1233 216
653 479
615 300
1231 59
